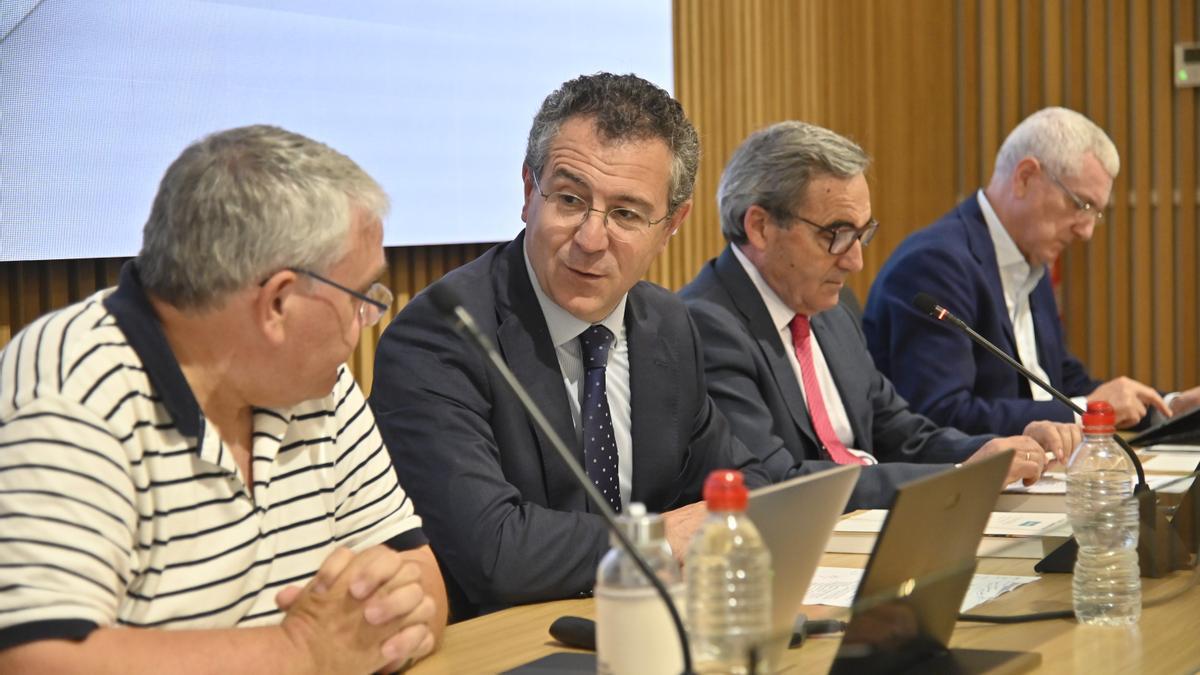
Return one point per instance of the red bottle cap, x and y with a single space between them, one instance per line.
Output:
1099 418
725 490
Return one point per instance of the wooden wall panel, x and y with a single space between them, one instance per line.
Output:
988 34
1138 155
1186 143
930 88
1162 234
6 301
1118 225
1092 298
969 161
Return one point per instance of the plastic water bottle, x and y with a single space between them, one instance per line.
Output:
1107 586
728 573
634 630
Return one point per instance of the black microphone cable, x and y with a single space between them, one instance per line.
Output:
1019 618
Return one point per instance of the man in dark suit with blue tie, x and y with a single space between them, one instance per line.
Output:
613 362
787 363
986 261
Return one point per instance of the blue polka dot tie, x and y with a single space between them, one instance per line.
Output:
599 446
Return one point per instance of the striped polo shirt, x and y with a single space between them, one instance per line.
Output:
120 504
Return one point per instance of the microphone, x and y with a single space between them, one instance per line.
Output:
575 631
580 633
926 303
1155 557
446 300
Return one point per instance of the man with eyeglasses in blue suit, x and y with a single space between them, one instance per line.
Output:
986 261
613 361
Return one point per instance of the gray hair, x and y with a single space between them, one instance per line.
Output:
773 168
625 108
1059 138
238 205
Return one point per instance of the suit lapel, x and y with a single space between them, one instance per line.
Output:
654 402
979 241
524 340
748 301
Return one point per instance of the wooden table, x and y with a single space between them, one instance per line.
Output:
1166 641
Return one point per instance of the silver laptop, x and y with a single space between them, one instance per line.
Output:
796 518
911 590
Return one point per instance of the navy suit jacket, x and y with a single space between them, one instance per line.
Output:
504 515
935 366
752 381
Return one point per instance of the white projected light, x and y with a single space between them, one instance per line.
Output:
434 99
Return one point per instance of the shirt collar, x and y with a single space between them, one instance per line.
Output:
1012 264
565 327
781 314
134 314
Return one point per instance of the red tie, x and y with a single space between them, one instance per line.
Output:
801 332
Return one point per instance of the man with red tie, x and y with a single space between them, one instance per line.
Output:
785 360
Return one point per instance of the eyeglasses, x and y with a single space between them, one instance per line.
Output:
373 303
574 210
1081 204
842 234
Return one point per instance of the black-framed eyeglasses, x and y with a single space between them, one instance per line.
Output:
842 234
374 302
574 210
1083 205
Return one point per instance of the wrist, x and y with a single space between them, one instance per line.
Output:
291 643
1171 399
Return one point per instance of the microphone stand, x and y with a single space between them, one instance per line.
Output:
446 300
1157 554
1045 386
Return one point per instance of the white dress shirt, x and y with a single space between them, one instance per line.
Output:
564 332
1018 279
781 317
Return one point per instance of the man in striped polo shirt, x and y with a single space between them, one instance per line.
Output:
187 451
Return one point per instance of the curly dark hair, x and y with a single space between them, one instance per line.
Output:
625 108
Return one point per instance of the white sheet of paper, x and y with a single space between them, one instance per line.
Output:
1172 447
1050 484
1056 484
1000 523
836 586
1016 524
1178 462
986 587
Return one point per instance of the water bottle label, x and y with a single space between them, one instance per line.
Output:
634 631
